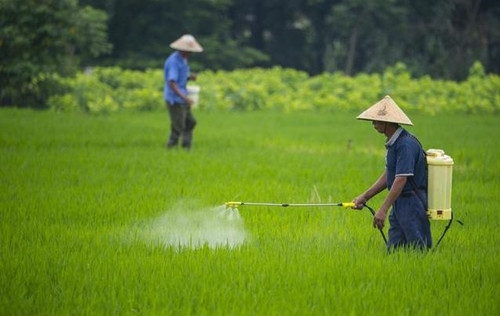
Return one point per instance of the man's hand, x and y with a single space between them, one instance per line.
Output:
379 219
359 202
188 101
396 189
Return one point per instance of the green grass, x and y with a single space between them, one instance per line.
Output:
80 193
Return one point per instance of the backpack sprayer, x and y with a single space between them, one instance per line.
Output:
439 174
343 204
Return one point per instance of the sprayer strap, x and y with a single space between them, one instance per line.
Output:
417 192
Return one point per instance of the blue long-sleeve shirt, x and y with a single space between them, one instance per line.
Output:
176 69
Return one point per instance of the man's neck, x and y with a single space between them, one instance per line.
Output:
390 140
390 129
184 55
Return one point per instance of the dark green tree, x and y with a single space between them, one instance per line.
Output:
440 38
141 31
448 36
367 36
42 37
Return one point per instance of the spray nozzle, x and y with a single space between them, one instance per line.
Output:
233 204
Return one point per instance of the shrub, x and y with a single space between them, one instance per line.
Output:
111 89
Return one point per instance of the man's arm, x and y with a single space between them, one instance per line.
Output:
396 189
375 189
177 91
193 76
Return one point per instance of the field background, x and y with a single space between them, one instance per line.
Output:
77 192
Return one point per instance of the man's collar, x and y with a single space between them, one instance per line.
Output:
394 137
180 58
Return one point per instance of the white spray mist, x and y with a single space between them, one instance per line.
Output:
189 226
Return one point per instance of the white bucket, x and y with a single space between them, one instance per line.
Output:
192 93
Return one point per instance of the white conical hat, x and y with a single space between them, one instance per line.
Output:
385 110
187 43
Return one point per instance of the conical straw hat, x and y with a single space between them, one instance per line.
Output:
385 110
187 43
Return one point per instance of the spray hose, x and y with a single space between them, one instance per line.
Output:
343 204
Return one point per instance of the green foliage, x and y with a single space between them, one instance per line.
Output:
228 55
87 94
92 40
38 38
105 90
283 90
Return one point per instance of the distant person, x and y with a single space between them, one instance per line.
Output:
176 74
405 176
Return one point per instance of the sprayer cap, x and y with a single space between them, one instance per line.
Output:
434 152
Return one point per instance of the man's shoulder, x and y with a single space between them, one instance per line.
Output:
171 59
406 139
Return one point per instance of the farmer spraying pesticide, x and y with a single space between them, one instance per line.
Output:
419 184
405 176
176 73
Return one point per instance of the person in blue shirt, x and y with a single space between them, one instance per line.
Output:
405 176
176 75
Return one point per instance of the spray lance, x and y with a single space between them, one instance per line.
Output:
343 204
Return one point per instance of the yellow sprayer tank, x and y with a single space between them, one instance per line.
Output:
439 184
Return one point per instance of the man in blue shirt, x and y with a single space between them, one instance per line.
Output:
176 75
405 176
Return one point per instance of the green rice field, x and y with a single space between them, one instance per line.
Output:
98 218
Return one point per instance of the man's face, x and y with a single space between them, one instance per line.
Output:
379 126
185 54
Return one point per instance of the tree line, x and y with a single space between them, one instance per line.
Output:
438 38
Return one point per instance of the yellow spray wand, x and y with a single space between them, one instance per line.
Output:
343 204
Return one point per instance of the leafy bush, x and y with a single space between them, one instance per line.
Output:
111 89
104 90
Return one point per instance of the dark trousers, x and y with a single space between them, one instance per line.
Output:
182 123
410 226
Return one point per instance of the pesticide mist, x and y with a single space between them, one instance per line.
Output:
189 226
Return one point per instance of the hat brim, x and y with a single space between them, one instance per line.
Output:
383 120
386 110
184 48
